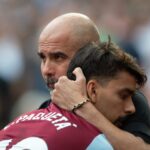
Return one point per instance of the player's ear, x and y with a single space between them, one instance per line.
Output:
92 87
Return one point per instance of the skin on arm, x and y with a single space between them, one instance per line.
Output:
68 93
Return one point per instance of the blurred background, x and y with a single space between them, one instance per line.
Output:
21 21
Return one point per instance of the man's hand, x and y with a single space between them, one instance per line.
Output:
68 93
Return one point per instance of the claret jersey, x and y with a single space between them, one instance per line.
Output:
51 128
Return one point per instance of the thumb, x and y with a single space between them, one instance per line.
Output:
79 75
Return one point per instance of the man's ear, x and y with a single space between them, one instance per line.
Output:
92 86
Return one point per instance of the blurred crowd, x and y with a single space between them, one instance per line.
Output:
21 21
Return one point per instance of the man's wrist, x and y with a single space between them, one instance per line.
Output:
87 111
79 105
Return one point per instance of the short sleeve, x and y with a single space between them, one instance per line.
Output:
100 142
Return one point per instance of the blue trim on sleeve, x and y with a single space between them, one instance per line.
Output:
100 143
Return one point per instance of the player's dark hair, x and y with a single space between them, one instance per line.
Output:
104 61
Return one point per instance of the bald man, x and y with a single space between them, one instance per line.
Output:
60 40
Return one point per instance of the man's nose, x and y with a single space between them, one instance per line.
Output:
48 68
129 107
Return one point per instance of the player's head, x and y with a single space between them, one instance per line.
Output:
60 40
112 77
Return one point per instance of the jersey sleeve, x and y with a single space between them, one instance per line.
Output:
100 142
139 123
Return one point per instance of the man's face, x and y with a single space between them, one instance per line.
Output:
114 99
55 53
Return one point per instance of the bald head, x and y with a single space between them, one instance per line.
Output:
60 40
76 27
